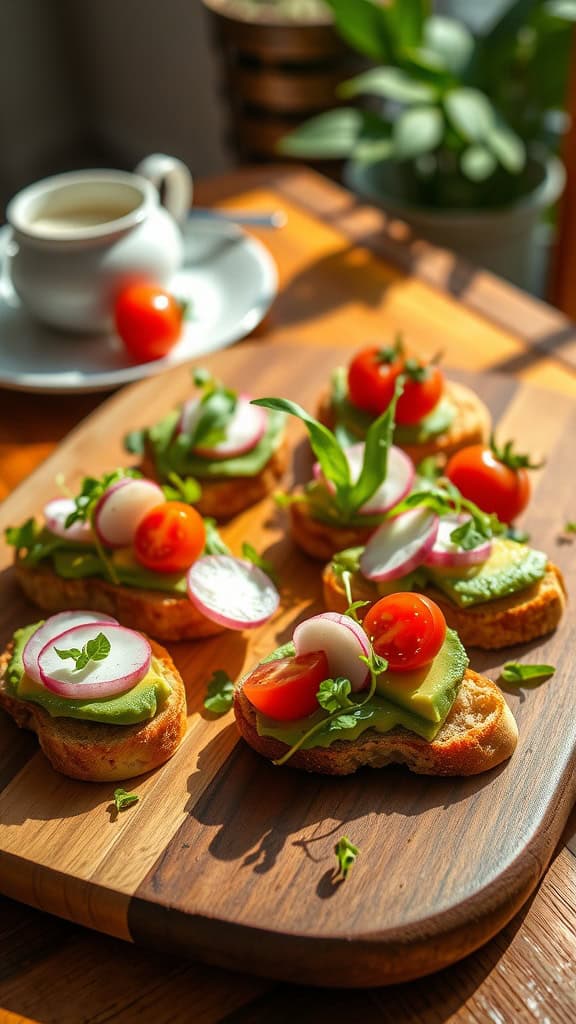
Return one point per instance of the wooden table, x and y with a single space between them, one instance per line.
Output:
346 276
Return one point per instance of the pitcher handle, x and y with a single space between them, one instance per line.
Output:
168 171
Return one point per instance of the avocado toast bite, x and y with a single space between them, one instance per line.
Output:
353 487
120 547
434 416
493 590
227 453
105 702
397 689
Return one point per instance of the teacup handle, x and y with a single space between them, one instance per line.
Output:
168 171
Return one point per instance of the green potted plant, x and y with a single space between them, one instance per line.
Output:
453 132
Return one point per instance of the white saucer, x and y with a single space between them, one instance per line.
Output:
229 278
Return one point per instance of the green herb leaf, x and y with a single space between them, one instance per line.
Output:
513 672
353 608
334 694
182 489
252 555
123 799
214 544
22 537
135 442
219 693
346 855
512 459
429 468
342 722
92 490
217 407
375 663
570 526
96 649
202 377
376 448
467 536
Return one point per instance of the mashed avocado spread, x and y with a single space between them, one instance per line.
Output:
352 423
510 568
418 701
136 705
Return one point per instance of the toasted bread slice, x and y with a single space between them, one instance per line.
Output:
95 752
320 540
150 611
224 497
471 424
479 733
526 615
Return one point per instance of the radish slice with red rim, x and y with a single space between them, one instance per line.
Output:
400 545
445 554
243 432
122 507
343 641
56 513
52 627
399 480
126 664
231 591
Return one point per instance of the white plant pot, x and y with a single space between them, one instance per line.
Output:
502 239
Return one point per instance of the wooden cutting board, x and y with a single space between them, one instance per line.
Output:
230 859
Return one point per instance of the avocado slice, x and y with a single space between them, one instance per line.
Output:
510 567
428 692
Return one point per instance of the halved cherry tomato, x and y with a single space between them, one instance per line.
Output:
406 629
423 387
148 320
170 537
286 689
372 378
483 478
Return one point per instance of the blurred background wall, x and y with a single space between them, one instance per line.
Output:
104 82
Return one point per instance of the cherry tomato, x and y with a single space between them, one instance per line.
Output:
406 629
286 689
483 478
148 319
170 537
372 378
422 391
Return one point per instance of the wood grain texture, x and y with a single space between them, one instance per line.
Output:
231 859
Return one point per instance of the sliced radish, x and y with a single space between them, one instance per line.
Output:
122 507
245 429
56 513
126 664
54 626
400 475
444 552
232 592
342 639
399 545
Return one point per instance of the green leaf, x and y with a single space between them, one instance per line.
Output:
96 649
250 553
123 799
346 855
478 163
353 608
451 41
429 468
375 663
216 410
513 672
331 135
332 460
135 442
201 377
570 526
334 694
508 147
22 537
406 19
520 536
467 536
471 113
182 489
364 26
342 722
390 82
376 448
219 693
417 130
214 544
564 9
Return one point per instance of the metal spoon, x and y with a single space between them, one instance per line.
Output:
265 219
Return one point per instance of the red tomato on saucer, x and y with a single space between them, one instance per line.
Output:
148 320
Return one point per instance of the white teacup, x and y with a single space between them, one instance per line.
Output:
80 237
